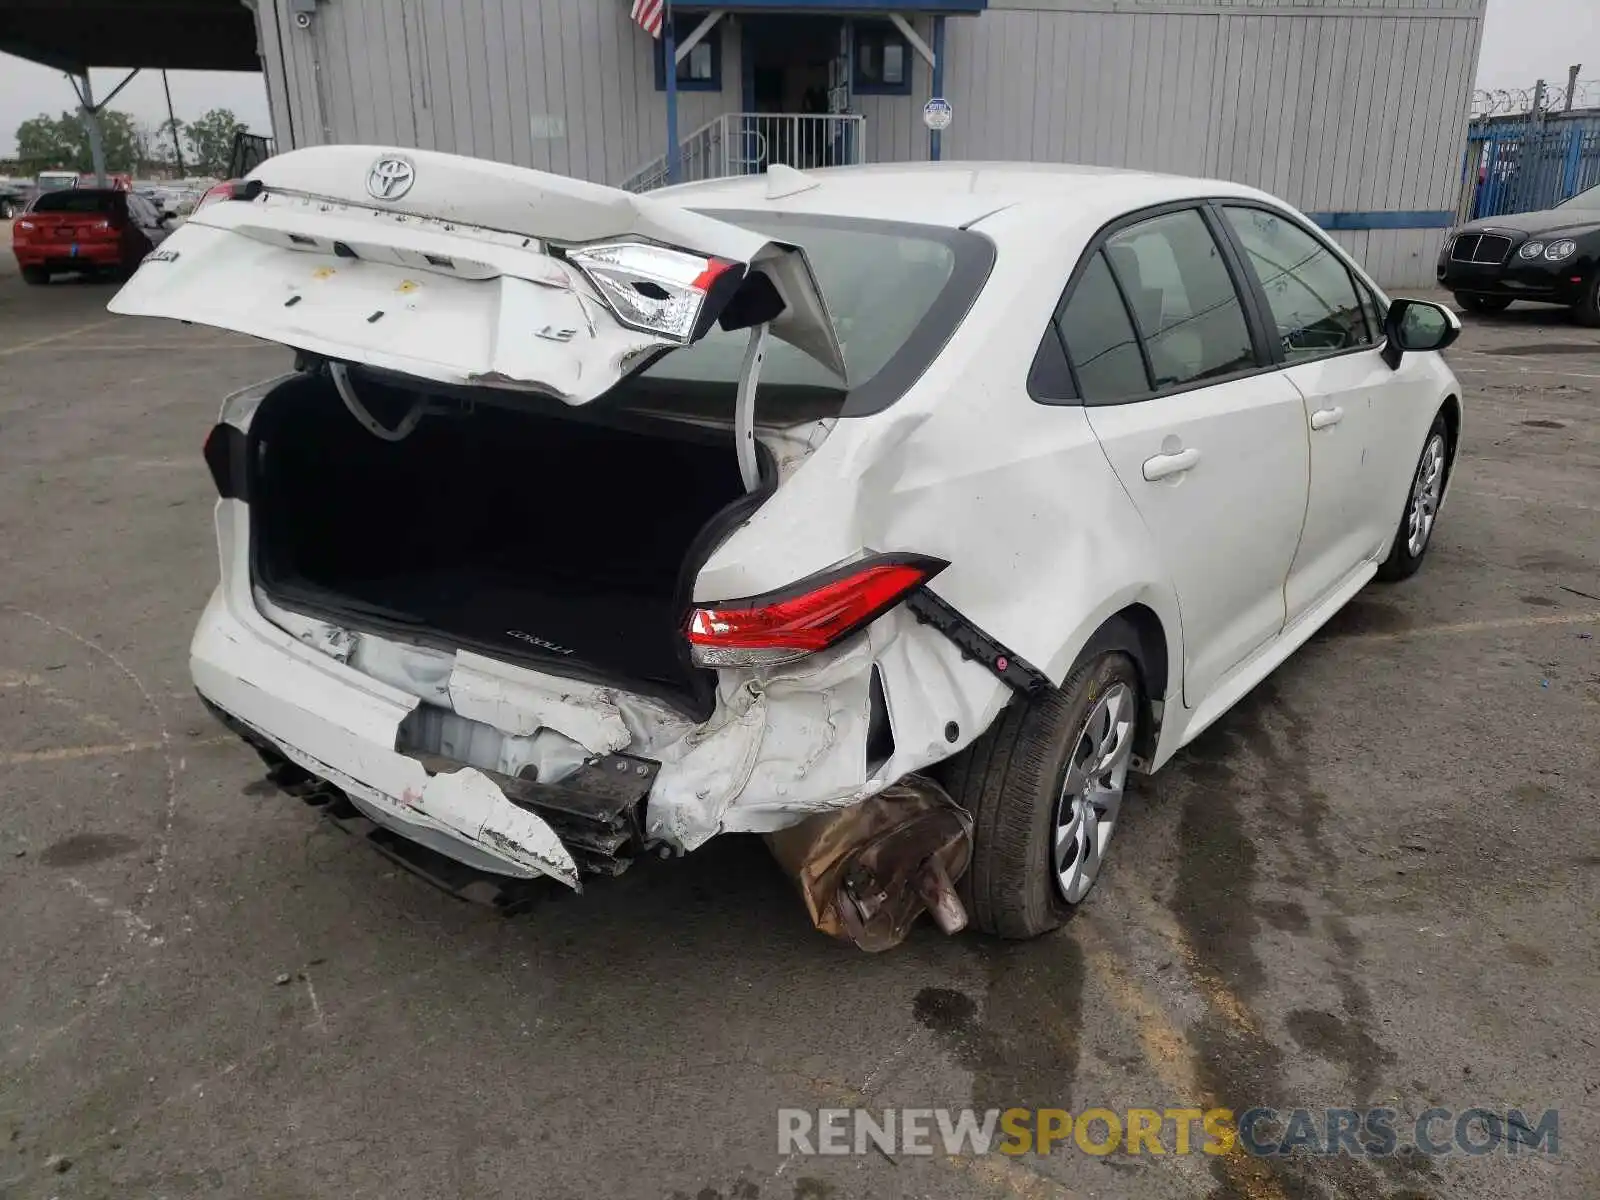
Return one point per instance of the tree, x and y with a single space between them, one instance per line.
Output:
44 143
211 141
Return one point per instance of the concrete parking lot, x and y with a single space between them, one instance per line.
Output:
1375 883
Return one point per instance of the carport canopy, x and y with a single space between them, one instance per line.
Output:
74 35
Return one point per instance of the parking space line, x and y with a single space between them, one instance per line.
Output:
17 758
1470 627
184 347
1548 503
1167 1051
54 337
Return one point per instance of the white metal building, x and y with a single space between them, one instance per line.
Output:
1354 110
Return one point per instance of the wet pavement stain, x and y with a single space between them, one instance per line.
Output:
1287 915
1021 1043
1531 793
1364 616
1540 601
1219 867
1527 956
81 849
1345 1042
807 1188
1546 424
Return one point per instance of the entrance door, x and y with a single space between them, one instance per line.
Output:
798 70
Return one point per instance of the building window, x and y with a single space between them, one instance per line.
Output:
883 60
700 70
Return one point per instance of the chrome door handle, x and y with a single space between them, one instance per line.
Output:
1164 465
1325 418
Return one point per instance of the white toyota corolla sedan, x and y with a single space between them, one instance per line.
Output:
591 524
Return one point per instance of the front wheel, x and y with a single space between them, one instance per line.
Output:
1482 304
1411 540
1045 787
7 211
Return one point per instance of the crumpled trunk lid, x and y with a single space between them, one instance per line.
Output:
463 271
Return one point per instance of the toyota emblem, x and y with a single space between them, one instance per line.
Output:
390 178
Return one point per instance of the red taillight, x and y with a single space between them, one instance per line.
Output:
22 231
231 189
810 616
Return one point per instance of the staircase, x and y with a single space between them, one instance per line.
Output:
749 143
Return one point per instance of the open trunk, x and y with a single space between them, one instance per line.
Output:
528 532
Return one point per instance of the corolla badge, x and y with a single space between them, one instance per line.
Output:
390 178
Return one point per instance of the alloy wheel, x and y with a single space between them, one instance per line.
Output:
1426 492
1092 790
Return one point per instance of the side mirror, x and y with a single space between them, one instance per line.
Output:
1417 325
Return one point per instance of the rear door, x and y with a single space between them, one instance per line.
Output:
463 271
1333 358
1209 443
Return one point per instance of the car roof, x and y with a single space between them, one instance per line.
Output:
954 194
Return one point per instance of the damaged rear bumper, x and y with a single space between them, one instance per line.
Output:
343 730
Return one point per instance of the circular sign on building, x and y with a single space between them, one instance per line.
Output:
936 113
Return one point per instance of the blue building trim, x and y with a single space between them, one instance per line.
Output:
1383 220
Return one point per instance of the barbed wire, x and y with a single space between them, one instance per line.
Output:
1503 101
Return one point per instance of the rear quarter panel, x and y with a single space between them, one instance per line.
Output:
1043 542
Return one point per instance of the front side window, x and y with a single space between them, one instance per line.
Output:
1100 341
1310 292
1187 311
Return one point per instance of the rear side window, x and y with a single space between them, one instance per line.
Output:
1184 304
75 200
1100 340
1311 294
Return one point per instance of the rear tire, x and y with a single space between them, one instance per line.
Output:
1018 781
1420 516
35 275
1587 310
1482 304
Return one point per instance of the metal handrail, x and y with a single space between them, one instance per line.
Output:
748 143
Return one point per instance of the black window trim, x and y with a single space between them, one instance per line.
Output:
1048 385
1379 337
1261 342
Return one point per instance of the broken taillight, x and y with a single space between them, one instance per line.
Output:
654 289
812 615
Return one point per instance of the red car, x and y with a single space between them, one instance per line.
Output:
87 230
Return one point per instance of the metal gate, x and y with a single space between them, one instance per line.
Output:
1527 163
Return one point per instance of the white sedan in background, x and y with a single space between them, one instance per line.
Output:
593 524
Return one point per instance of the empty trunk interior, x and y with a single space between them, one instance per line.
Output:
525 534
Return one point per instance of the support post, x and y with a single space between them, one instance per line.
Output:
91 122
1572 85
669 64
935 138
172 124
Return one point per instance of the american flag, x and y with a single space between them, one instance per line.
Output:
647 15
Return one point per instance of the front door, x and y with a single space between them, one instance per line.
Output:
1212 451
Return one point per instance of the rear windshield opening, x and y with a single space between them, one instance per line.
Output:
896 292
78 200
